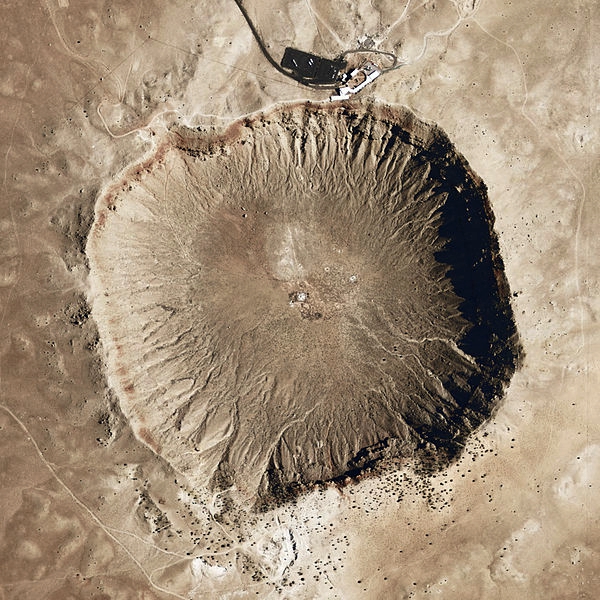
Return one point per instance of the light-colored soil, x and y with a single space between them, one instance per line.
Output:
88 511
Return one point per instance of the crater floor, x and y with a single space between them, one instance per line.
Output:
307 295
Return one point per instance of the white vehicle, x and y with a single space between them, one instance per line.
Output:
356 81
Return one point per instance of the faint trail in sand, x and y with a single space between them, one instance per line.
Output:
331 31
220 62
550 146
117 136
94 65
3 313
400 19
66 578
582 350
463 15
314 20
107 530
5 194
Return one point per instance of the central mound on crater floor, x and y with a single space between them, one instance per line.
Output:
312 292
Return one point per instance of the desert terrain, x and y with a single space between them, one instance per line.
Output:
234 337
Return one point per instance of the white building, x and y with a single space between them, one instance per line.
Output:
357 80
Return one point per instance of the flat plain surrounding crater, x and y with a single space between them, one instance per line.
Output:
307 295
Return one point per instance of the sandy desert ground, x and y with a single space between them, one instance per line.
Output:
92 507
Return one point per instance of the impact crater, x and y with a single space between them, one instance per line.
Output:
312 293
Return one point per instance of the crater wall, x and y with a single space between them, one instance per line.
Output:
313 293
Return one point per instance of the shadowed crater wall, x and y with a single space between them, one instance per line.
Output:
313 292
